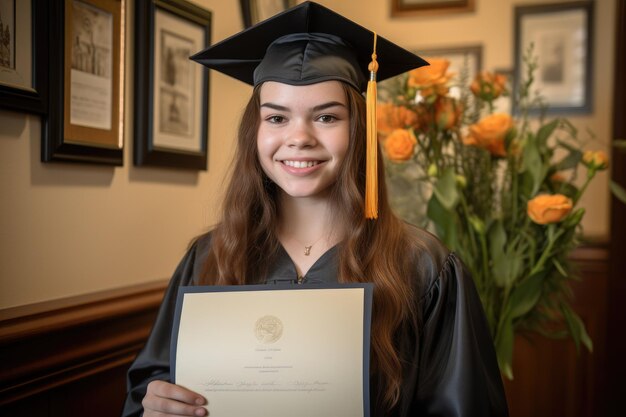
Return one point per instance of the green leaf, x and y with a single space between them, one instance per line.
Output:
559 267
572 159
504 347
525 296
577 329
568 146
445 189
534 166
618 191
546 131
574 218
445 222
507 263
497 239
497 242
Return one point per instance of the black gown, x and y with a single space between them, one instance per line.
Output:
450 364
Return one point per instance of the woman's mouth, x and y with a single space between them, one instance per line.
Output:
300 164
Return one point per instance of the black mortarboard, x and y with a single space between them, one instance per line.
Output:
308 44
304 45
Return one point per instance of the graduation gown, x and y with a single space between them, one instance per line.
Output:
450 362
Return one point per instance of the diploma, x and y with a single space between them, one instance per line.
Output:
273 350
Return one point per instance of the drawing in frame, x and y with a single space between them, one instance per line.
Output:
24 55
86 92
561 35
401 8
171 91
255 11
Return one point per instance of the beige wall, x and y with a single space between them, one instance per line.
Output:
69 229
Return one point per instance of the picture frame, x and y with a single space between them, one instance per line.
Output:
255 11
85 120
24 55
401 8
465 62
562 38
504 103
171 92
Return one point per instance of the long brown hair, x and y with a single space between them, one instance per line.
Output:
373 251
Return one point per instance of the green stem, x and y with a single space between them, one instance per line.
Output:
590 174
547 252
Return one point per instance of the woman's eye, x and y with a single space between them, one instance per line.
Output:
327 118
275 119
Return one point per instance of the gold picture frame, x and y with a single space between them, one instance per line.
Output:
86 111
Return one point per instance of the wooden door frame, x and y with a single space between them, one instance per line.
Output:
615 389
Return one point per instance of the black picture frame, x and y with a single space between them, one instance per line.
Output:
564 77
254 11
35 99
148 99
57 146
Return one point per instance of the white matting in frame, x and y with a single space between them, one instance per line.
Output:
16 54
177 82
561 42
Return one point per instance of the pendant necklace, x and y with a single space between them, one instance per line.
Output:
307 248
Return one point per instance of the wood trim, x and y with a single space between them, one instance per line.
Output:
615 388
53 343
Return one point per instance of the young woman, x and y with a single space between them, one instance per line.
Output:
294 212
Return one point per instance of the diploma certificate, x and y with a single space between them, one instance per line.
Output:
273 350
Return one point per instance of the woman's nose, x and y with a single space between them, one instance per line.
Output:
300 136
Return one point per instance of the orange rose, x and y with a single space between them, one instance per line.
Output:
489 133
390 117
400 145
488 85
447 112
431 79
597 160
549 208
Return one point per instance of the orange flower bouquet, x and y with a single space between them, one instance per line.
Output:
499 191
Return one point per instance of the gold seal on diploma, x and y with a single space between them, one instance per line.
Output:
268 329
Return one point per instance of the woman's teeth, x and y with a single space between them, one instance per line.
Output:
300 164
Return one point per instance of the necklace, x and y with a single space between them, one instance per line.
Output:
307 248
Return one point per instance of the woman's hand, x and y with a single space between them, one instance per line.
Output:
165 399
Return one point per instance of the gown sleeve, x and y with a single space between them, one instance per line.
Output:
457 372
153 362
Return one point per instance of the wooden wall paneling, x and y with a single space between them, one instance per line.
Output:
551 377
51 347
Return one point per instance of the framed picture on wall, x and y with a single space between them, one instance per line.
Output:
420 7
86 95
465 63
23 55
561 37
255 11
171 92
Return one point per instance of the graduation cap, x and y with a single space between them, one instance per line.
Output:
308 44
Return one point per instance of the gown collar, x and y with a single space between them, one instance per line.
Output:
323 271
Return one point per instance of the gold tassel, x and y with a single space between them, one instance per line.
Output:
371 168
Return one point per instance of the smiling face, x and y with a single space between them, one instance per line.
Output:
303 136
